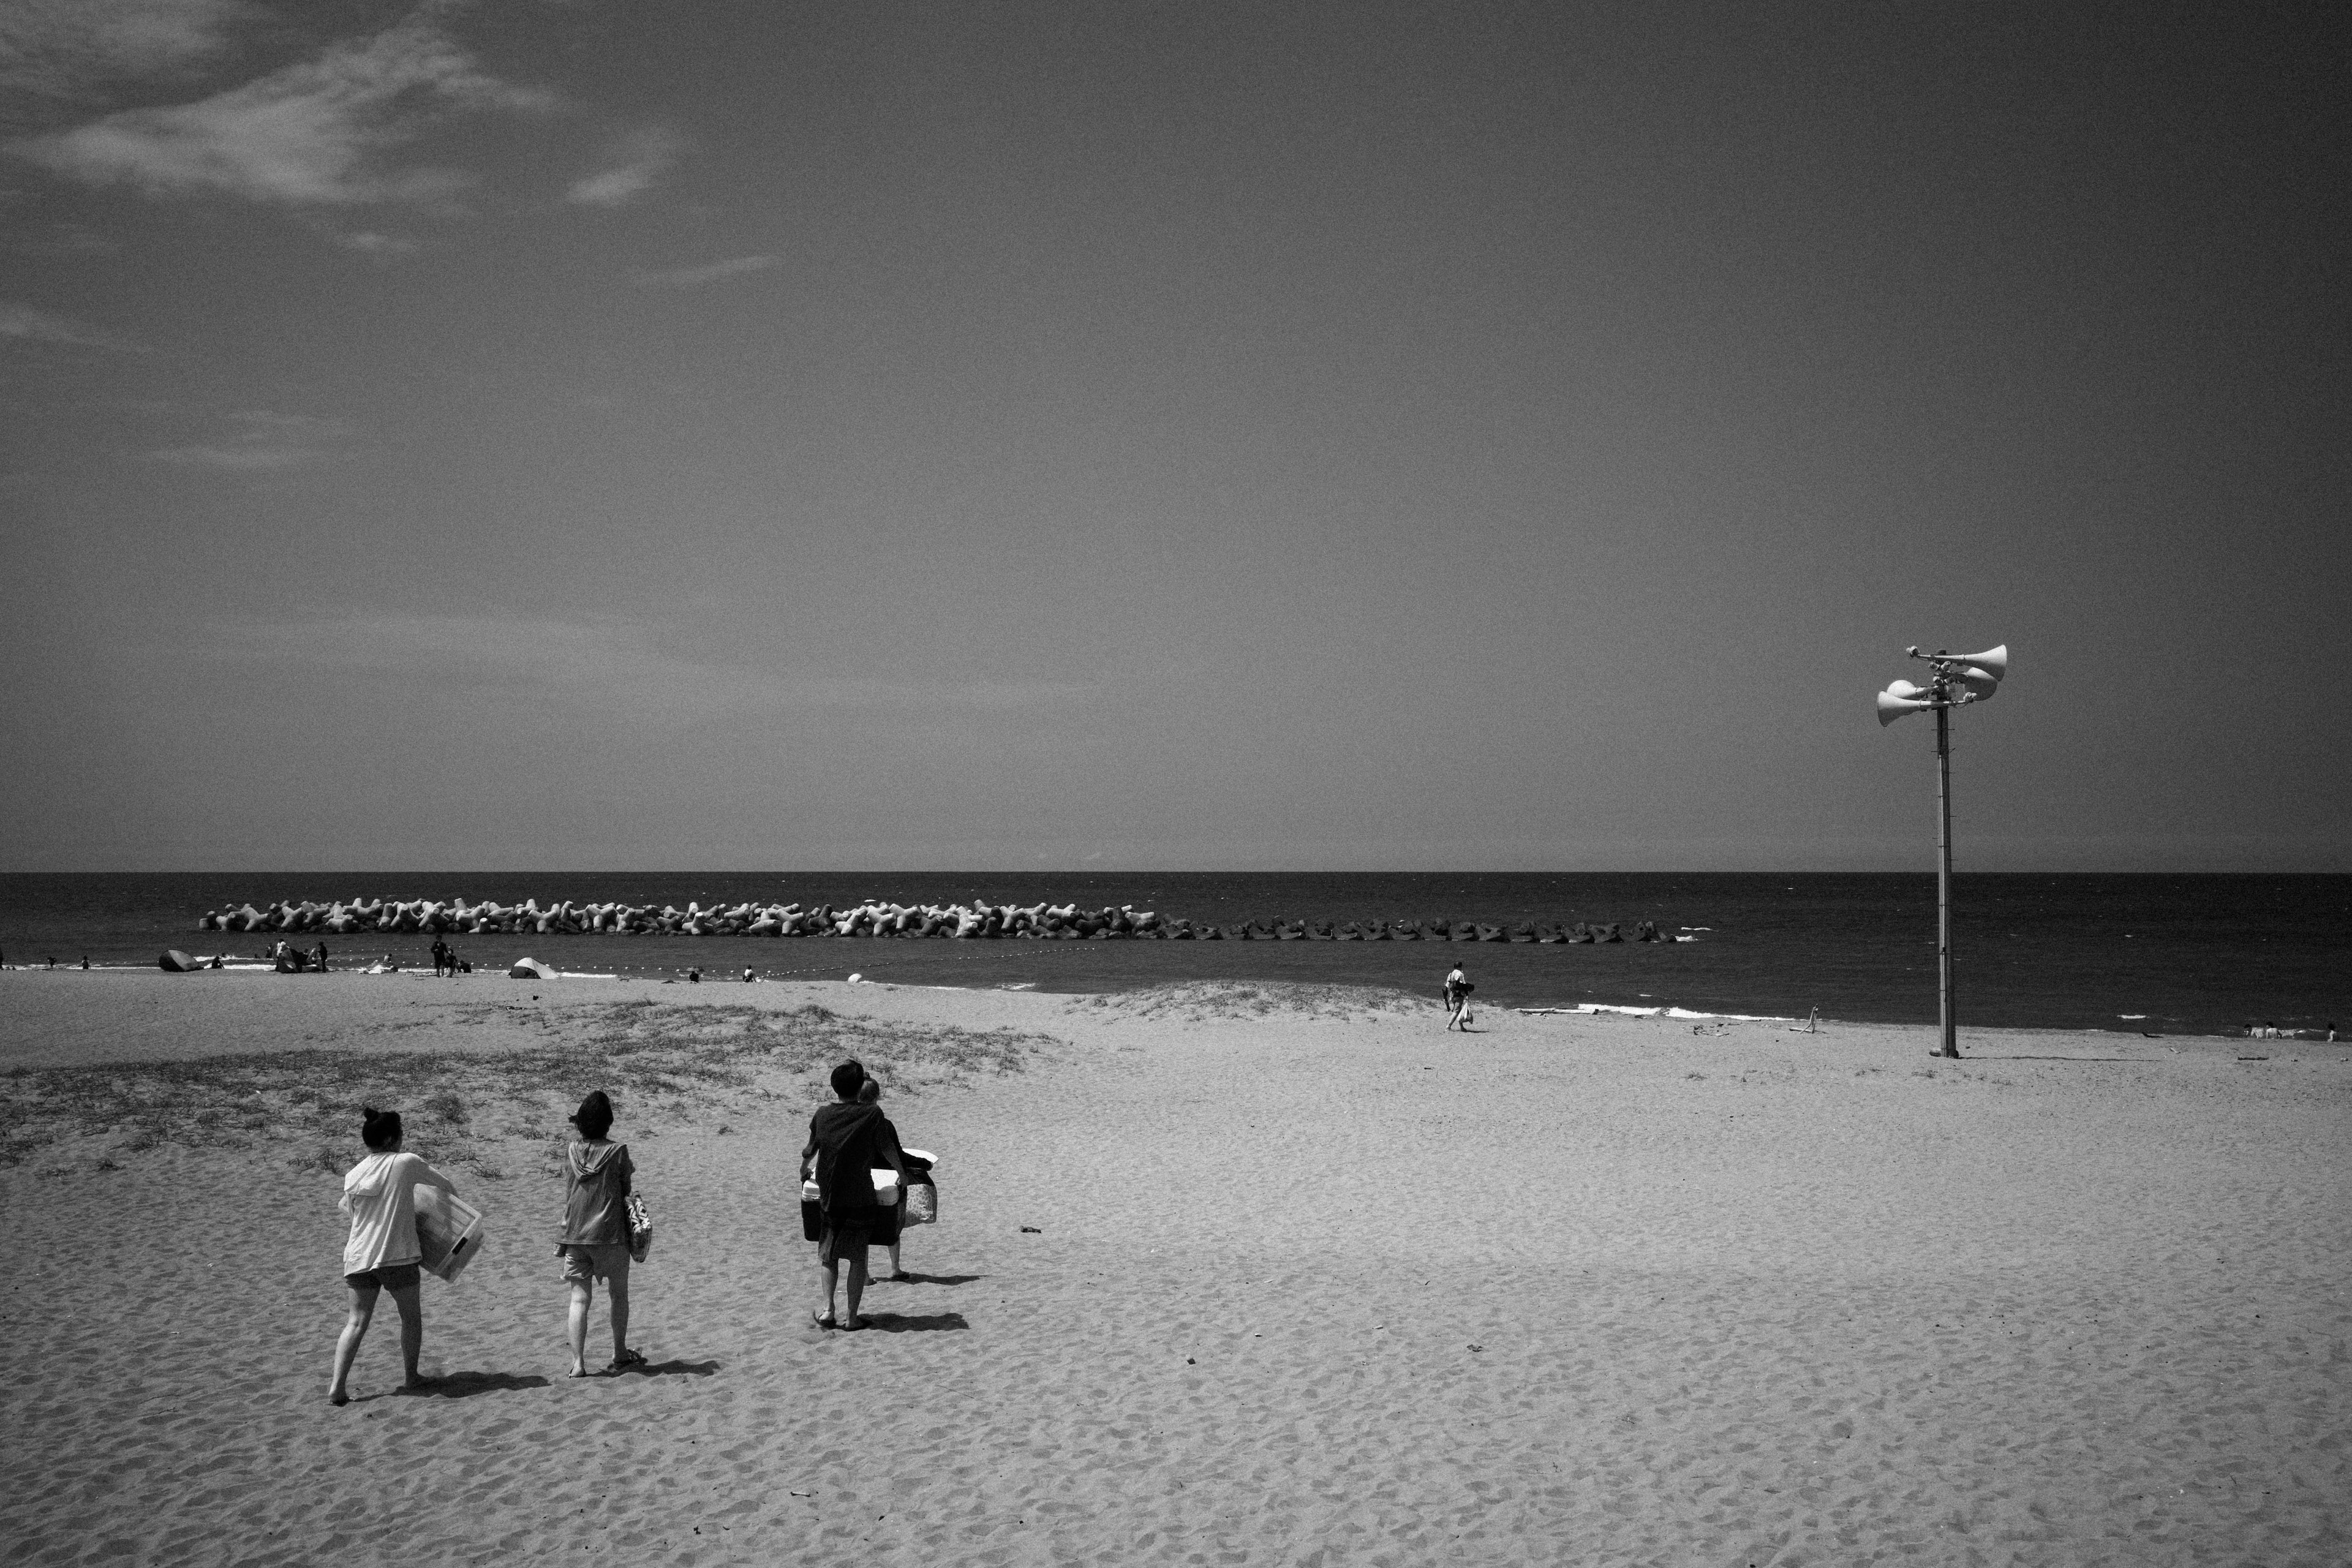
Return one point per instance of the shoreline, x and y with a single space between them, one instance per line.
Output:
2124 1029
2163 953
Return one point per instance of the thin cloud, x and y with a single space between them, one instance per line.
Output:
253 459
710 272
641 158
608 665
64 238
67 49
33 324
263 442
315 132
368 242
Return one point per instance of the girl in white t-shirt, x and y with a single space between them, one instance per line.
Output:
380 1195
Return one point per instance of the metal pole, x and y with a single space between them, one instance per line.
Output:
1944 863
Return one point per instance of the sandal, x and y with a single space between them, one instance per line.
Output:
624 1361
822 1320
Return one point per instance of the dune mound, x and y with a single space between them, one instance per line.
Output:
1198 1001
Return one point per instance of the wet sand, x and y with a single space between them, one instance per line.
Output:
1302 1288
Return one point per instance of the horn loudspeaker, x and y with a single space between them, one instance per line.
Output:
1891 707
1993 662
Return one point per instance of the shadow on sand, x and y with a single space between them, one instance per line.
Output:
671 1368
465 1384
936 1279
913 1323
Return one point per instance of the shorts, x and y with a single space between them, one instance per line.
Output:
392 1277
604 1260
851 1231
882 1230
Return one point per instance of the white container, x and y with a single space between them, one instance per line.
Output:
448 1231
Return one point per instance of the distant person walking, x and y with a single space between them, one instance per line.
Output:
319 957
442 959
380 1196
597 1177
1457 999
847 1142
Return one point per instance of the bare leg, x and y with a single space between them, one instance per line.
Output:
826 1273
583 1295
856 1288
896 1272
348 1347
410 1300
617 1302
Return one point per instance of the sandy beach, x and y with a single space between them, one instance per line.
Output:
1224 1274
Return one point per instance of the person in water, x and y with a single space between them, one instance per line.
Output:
380 1196
594 1246
847 1141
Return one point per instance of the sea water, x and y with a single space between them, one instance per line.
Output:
2153 953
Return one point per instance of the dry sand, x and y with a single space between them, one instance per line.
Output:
1309 1283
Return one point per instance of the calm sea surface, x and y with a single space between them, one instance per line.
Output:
2161 953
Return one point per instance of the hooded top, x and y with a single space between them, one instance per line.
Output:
595 1190
380 1195
847 1141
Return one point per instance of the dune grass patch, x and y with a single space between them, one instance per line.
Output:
493 1113
1200 1001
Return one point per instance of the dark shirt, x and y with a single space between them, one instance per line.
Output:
848 1141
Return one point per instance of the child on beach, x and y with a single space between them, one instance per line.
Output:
890 1221
380 1196
595 1241
847 1142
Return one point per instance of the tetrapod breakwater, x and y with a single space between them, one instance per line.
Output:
1040 921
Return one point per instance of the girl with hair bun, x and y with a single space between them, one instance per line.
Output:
380 1196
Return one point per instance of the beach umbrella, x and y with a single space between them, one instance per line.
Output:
530 969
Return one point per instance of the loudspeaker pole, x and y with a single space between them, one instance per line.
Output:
1957 679
1944 867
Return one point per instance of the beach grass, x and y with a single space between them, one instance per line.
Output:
473 1108
1201 1001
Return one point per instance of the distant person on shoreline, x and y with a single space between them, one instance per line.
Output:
319 957
442 959
380 1196
1457 999
597 1177
847 1142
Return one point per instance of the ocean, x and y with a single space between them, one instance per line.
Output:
2154 953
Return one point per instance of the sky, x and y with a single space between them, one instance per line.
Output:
739 435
